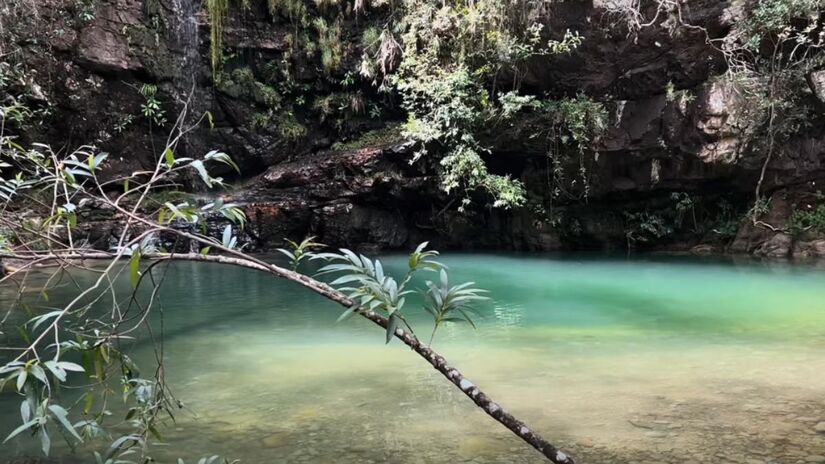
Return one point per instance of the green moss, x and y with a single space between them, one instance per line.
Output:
370 39
289 127
285 123
329 44
261 120
243 76
295 10
241 83
374 138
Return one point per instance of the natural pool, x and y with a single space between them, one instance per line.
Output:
641 360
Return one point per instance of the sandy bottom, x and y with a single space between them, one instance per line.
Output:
618 402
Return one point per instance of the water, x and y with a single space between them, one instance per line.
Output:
185 32
618 361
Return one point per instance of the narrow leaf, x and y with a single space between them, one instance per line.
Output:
134 268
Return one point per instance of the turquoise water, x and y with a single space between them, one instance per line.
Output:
619 361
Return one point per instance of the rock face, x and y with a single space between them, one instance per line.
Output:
658 144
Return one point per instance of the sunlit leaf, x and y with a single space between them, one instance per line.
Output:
134 268
169 156
201 169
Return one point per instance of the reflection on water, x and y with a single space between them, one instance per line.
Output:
619 361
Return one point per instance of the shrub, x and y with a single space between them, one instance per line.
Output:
812 220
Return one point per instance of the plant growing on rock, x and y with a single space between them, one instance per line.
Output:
151 108
449 53
645 227
809 219
769 54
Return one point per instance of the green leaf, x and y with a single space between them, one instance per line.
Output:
347 314
88 403
391 326
155 433
45 441
223 158
61 415
70 366
120 443
67 174
467 317
227 236
134 268
56 370
22 428
205 250
44 317
198 165
98 160
170 157
21 379
25 411
39 374
346 278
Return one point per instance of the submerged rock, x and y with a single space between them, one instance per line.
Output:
275 440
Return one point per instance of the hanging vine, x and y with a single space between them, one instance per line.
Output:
216 9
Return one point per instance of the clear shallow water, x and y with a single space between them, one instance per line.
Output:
619 361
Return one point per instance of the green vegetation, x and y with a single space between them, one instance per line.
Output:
329 44
811 219
151 108
777 46
393 133
367 284
458 75
769 19
645 227
451 55
300 251
216 9
713 219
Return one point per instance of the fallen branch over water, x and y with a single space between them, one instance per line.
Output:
481 399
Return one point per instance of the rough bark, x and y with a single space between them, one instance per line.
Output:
481 399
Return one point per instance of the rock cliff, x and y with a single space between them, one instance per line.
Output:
669 171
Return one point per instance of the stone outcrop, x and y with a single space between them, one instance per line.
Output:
656 143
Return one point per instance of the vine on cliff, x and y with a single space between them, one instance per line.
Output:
217 10
770 53
455 59
447 62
